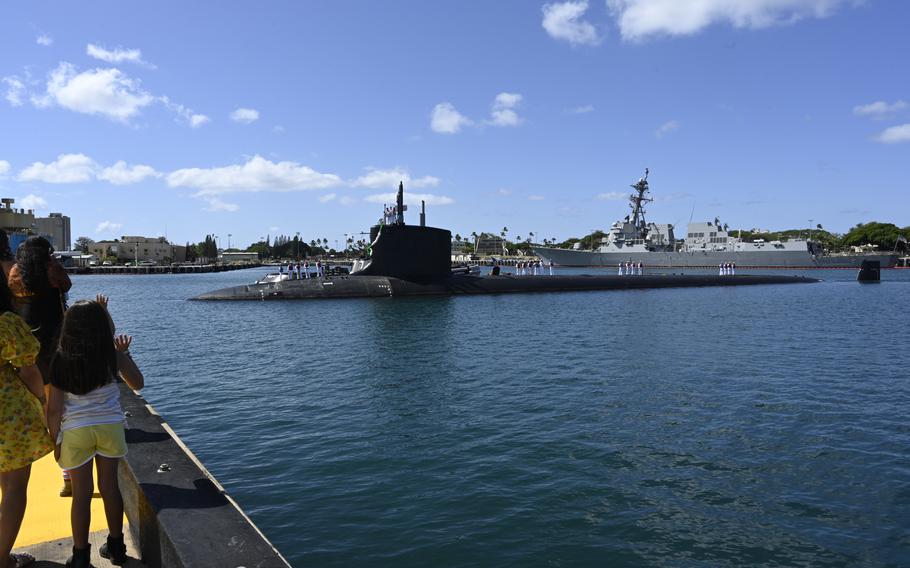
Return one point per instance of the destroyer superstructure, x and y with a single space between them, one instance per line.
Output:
706 244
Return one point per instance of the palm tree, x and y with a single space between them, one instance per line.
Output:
530 237
474 234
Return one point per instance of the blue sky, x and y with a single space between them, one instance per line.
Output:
256 118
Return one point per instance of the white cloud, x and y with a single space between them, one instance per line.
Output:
245 115
503 112
375 179
667 128
32 201
67 168
257 174
585 109
894 134
639 19
197 120
4 167
15 90
563 21
123 174
327 197
108 227
536 198
116 55
879 109
44 39
107 92
447 120
347 200
413 199
216 204
278 129
612 196
504 192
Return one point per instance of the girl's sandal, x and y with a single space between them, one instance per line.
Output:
20 560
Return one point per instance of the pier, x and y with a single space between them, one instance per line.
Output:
170 269
177 514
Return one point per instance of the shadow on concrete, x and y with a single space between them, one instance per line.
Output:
204 495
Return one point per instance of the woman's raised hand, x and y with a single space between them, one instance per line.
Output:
101 299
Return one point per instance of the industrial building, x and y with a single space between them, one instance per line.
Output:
22 223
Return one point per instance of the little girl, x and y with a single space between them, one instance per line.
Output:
86 419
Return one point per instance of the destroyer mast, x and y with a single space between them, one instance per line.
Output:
637 201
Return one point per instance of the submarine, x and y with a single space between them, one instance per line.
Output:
415 260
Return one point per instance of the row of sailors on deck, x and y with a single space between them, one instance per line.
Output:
531 268
630 268
727 268
298 271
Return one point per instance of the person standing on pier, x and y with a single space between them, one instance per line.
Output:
85 419
39 284
7 260
23 437
306 269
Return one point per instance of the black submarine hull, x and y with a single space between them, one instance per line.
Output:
357 286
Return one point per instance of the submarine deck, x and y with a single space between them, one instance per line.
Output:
383 286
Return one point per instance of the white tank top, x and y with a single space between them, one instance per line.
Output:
100 406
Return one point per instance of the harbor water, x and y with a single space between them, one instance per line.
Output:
736 426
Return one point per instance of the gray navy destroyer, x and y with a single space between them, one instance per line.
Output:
707 245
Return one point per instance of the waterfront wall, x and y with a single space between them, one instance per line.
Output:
178 513
182 269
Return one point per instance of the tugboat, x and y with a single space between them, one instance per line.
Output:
415 260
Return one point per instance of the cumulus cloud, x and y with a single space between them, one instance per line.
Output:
503 113
879 109
446 119
79 168
375 179
410 198
15 90
106 92
894 134
44 39
123 174
640 19
32 201
584 109
327 197
245 115
347 200
116 55
257 174
563 21
4 168
666 128
108 227
612 196
197 120
216 204
536 198
67 168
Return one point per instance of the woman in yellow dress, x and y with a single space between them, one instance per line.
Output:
23 435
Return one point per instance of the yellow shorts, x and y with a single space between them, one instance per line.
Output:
80 445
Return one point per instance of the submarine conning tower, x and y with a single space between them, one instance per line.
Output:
409 252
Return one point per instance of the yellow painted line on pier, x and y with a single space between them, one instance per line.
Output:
47 516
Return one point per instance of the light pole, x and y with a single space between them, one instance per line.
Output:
810 228
297 245
229 240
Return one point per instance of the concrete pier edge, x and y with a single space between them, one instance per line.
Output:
178 513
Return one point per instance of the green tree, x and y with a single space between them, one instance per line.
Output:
82 243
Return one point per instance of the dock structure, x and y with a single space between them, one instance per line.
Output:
177 514
148 269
